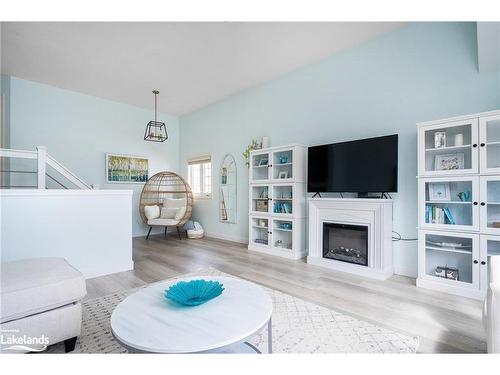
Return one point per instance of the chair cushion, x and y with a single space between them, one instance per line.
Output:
163 222
168 213
152 212
180 213
174 202
32 286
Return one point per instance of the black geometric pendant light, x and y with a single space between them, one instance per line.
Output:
156 131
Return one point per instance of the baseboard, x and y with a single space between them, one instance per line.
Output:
219 236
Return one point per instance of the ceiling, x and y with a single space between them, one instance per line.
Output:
192 64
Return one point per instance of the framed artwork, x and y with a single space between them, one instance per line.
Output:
263 162
439 191
126 169
283 174
449 162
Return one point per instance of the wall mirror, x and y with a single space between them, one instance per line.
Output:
227 193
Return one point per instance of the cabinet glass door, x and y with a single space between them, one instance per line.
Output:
490 144
282 202
490 247
260 200
451 258
450 203
449 148
260 167
259 229
283 234
283 164
490 204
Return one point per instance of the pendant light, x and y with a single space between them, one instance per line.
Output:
156 131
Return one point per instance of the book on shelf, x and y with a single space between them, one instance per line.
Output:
438 215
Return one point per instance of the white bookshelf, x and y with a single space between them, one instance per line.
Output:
277 201
459 202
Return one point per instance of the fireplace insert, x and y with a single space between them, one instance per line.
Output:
346 243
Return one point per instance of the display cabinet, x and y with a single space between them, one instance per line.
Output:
458 202
277 201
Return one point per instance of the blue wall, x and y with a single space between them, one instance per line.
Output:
79 129
420 72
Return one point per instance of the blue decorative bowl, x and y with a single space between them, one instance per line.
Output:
194 292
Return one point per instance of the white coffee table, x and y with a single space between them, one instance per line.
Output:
147 322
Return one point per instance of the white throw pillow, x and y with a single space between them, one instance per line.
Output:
180 213
168 212
152 212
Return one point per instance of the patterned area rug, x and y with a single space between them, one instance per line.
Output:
298 327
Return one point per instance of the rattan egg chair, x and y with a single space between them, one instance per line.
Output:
166 201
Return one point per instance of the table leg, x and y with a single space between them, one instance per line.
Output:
269 336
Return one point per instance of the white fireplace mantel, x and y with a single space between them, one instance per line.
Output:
376 214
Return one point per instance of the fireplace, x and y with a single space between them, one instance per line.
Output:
346 243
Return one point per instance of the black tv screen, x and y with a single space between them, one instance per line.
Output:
362 166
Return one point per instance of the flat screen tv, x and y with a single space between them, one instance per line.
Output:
362 166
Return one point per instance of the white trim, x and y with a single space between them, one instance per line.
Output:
459 118
21 154
406 271
60 192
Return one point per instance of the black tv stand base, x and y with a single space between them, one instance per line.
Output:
317 194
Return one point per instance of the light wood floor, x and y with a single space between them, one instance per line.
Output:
443 322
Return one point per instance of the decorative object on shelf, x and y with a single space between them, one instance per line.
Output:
283 174
156 131
126 169
439 139
263 162
264 193
265 142
448 245
459 139
283 159
261 205
287 226
246 154
449 162
278 243
261 241
465 196
227 194
439 191
447 272
194 292
263 223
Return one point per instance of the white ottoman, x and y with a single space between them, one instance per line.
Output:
40 298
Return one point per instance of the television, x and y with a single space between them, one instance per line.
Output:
362 166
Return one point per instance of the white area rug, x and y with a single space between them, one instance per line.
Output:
298 327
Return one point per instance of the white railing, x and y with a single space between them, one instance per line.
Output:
44 159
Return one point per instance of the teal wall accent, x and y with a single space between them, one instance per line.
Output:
79 129
420 72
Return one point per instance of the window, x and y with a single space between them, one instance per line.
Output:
200 176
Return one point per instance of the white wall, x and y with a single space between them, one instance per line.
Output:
79 130
91 229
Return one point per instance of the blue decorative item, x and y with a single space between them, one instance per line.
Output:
283 159
194 292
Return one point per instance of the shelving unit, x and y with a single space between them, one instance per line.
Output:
277 201
459 202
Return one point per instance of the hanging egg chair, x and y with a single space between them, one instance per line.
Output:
166 201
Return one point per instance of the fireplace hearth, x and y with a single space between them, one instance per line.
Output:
346 243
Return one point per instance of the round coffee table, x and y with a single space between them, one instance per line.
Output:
147 322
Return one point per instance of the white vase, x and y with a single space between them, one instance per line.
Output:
459 139
265 142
